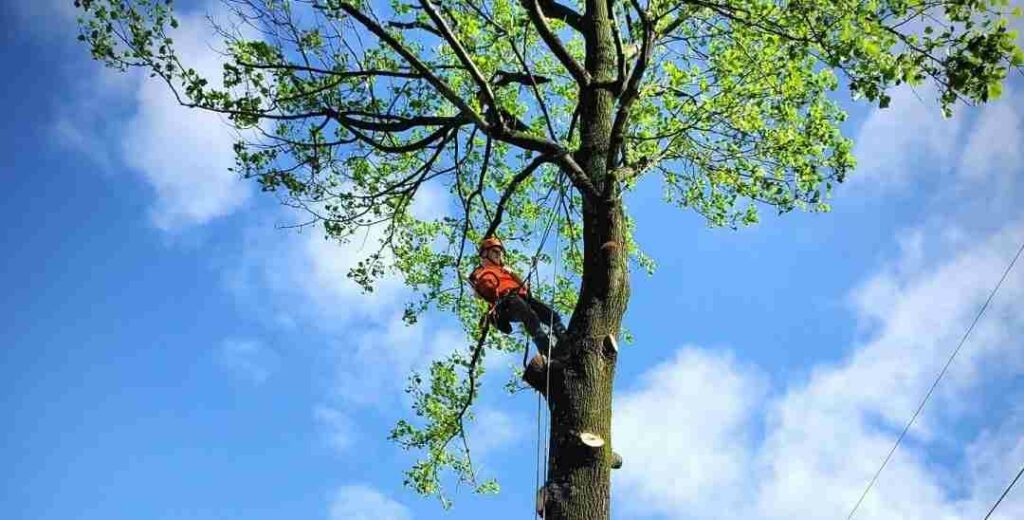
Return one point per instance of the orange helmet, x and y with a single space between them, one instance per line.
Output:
488 243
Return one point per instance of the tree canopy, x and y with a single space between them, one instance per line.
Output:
349 108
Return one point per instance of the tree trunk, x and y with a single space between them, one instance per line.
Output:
580 394
580 397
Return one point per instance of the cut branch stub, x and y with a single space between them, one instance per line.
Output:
611 344
592 440
616 460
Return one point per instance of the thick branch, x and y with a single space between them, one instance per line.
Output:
503 78
632 89
394 123
461 53
414 25
557 11
575 69
521 139
403 148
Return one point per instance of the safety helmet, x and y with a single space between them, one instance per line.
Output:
488 243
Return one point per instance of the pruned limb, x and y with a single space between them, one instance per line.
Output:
616 462
591 440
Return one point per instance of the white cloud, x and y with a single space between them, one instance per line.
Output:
993 147
248 360
50 19
361 502
493 430
322 269
337 426
685 431
373 366
184 155
899 142
994 458
304 276
976 154
133 120
430 202
989 170
300 280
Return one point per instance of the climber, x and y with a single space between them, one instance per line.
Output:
509 298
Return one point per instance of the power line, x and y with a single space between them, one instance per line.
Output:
1008 488
935 384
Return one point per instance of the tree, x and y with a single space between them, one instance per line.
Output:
534 111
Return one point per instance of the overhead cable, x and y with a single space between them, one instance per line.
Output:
935 384
1005 492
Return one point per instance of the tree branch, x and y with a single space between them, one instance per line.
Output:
409 57
577 71
395 123
632 88
510 190
557 11
414 25
461 53
503 78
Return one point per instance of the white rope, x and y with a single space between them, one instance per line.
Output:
536 459
551 327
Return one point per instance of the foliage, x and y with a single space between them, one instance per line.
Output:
354 108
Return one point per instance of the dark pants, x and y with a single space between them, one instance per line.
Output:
532 313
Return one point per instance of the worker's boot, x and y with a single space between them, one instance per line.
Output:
536 374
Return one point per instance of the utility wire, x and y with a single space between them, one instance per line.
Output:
935 384
1008 488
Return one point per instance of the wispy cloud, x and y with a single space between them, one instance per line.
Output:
248 360
361 502
808 448
183 155
684 431
493 430
337 427
688 428
47 19
905 140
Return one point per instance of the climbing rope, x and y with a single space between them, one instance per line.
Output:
543 421
547 366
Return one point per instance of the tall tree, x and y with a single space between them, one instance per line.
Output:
535 112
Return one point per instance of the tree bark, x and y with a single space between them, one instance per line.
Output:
580 397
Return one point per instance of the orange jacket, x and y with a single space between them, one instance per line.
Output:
492 281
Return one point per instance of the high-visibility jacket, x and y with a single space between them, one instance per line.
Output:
493 281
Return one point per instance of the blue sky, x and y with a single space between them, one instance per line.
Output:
168 352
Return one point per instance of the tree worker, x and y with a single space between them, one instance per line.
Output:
510 298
